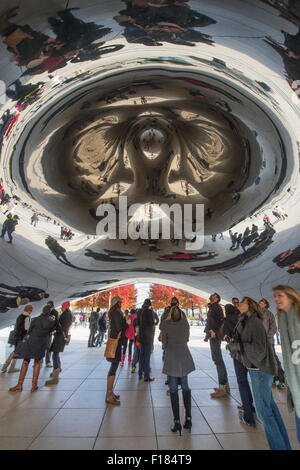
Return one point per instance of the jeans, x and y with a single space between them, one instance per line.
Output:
136 355
144 364
245 391
56 361
268 412
173 384
9 232
92 338
278 337
216 355
99 338
297 426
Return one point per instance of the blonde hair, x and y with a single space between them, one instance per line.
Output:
292 295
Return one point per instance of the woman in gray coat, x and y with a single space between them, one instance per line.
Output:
178 363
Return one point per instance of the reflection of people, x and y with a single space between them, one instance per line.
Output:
57 250
290 258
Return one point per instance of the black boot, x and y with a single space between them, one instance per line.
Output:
187 400
175 409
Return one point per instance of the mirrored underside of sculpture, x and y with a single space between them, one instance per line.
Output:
164 102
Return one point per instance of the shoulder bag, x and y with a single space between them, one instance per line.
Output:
111 346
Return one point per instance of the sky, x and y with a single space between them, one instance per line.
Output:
142 292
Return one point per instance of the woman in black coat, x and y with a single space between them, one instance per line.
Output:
62 330
20 330
34 348
117 327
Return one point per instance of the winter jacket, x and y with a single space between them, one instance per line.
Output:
178 360
253 347
117 324
215 318
35 346
269 324
20 327
129 333
11 223
63 325
230 321
94 318
146 324
102 324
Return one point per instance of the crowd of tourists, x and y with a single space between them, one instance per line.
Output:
246 326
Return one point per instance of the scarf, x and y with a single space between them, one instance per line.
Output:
290 344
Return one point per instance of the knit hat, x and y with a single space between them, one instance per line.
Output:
115 300
66 304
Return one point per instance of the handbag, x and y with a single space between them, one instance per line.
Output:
12 337
111 346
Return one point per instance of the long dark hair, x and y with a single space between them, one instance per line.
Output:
254 307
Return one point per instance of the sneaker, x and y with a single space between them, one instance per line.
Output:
133 370
150 379
243 421
168 393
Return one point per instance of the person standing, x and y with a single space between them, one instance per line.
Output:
178 363
137 345
129 337
288 305
231 323
9 226
94 319
117 327
55 314
59 341
215 319
257 355
34 348
102 327
271 328
21 329
146 324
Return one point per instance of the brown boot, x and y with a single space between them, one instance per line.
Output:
12 367
23 372
54 379
110 397
7 362
36 373
220 393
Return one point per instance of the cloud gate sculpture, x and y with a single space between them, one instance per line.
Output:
161 101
